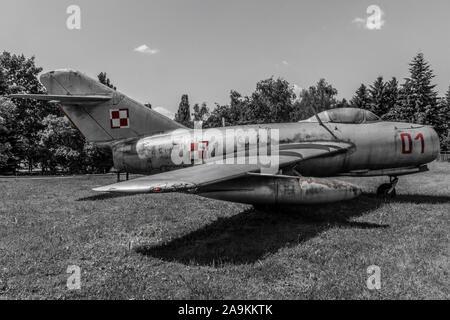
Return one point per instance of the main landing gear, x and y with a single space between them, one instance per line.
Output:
387 190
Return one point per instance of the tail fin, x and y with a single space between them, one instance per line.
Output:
100 113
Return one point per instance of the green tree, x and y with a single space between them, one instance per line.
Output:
233 114
378 97
103 78
183 115
361 99
96 159
20 76
343 104
392 97
418 100
215 118
61 147
201 113
272 102
317 98
3 84
417 96
444 111
9 139
238 111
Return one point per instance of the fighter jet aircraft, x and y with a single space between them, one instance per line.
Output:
270 164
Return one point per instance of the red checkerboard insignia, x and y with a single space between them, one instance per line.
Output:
120 118
199 149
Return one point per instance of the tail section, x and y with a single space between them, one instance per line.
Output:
101 114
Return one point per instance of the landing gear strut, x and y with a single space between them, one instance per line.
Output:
387 190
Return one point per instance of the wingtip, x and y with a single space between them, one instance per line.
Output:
120 188
100 189
137 187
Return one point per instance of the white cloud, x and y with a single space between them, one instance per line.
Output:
165 112
146 50
284 62
359 21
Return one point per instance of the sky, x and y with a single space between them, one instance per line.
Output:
155 51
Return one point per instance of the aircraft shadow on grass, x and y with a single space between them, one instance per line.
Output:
252 234
417 199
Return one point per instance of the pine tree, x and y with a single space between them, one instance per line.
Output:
417 96
343 104
183 115
378 97
392 96
444 110
361 98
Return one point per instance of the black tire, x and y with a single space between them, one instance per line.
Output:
384 189
393 193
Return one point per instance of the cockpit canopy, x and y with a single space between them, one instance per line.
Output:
346 115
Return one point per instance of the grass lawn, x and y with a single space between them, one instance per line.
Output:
177 246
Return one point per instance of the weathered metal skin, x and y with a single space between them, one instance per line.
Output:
343 141
270 190
377 146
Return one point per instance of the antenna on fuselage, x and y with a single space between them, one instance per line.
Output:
321 123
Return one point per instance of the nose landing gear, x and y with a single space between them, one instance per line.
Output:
387 190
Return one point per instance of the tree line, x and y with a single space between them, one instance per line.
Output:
36 135
274 101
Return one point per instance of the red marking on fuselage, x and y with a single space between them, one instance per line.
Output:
404 150
420 136
195 146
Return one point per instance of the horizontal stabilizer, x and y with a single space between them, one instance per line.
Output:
67 99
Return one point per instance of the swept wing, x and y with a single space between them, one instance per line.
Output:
191 178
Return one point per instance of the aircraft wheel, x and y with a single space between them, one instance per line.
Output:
383 189
386 190
393 193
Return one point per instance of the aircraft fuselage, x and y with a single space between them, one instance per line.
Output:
378 145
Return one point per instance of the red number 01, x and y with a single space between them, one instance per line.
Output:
407 143
420 136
